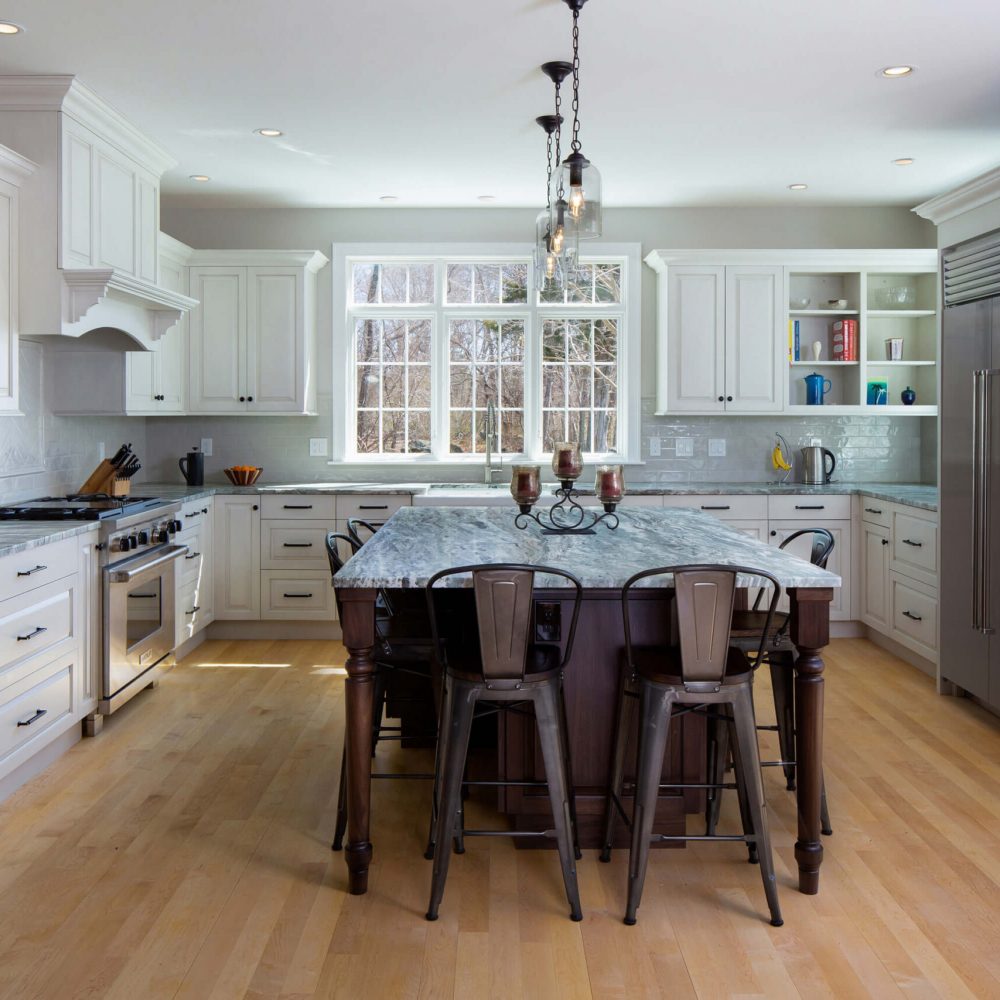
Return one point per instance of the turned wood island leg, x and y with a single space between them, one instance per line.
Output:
810 631
358 624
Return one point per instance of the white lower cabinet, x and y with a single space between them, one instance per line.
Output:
875 576
195 589
237 558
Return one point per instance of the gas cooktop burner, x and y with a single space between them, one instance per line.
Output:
78 507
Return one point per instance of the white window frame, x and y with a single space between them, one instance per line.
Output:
628 311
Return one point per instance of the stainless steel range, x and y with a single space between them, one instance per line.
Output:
138 560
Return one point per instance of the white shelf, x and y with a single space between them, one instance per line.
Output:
823 312
896 410
900 313
823 364
900 364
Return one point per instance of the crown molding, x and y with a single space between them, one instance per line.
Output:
311 260
966 197
848 260
15 168
66 94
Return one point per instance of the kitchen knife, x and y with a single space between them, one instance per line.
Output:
119 456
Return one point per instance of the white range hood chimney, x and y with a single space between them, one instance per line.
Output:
90 216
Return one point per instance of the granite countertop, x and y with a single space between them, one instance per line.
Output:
417 542
19 536
915 495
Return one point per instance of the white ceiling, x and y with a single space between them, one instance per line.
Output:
710 102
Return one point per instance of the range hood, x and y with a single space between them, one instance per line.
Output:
89 216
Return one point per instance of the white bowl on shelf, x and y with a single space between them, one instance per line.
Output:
836 303
799 303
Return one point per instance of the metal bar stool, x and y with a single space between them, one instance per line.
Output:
779 655
507 669
356 526
404 646
704 670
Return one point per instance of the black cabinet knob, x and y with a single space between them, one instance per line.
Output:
774 534
729 399
249 399
243 399
721 399
255 507
885 541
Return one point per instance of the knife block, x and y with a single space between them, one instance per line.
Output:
104 479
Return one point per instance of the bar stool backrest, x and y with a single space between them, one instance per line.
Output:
704 596
819 554
503 594
337 561
357 525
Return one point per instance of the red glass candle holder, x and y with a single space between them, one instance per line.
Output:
526 485
567 461
609 484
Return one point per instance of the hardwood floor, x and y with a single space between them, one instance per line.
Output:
185 853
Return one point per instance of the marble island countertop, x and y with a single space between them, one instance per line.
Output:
417 542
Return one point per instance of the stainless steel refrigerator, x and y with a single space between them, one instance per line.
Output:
970 468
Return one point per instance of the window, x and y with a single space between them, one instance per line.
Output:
435 336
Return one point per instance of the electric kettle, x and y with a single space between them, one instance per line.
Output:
814 465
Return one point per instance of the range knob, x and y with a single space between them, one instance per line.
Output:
175 526
124 543
144 538
134 540
161 535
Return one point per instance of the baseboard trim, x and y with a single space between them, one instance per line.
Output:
272 630
38 762
890 645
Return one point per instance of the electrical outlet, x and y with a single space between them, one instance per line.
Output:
206 447
717 447
317 447
684 447
102 451
654 447
815 441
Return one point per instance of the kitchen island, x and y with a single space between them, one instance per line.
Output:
417 542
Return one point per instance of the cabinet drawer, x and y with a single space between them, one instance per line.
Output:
914 547
291 507
194 609
191 567
195 513
300 595
36 567
45 703
374 507
36 621
726 507
293 544
876 511
810 507
914 615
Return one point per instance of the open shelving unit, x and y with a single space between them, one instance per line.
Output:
891 300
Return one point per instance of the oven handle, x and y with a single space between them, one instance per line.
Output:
126 575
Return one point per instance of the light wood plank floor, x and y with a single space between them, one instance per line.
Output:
185 853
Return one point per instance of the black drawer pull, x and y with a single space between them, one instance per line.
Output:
910 541
28 572
885 541
192 555
912 617
872 510
303 596
723 506
197 607
373 506
297 545
31 635
133 597
193 513
297 506
38 714
806 506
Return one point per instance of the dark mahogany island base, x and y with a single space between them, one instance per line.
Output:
591 686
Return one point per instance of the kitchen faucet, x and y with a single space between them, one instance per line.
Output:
492 443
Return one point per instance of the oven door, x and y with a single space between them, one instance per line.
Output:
138 620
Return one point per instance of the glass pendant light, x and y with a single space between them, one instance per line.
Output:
577 176
549 273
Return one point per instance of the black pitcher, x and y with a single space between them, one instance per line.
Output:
192 466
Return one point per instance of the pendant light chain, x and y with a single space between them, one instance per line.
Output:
548 173
576 80
558 137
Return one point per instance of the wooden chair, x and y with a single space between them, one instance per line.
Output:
506 669
403 647
704 672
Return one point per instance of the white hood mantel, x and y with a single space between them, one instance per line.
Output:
89 215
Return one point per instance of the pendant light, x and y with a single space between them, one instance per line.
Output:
563 241
577 176
549 274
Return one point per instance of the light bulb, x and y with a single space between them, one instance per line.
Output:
550 265
556 239
576 200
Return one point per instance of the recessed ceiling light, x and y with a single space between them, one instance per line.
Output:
9 28
486 197
268 133
904 161
797 187
201 178
895 72
388 197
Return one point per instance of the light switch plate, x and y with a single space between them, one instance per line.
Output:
317 447
206 447
654 447
717 447
684 447
102 452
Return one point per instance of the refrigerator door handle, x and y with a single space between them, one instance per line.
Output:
977 456
986 452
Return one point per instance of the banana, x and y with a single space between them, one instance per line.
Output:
778 459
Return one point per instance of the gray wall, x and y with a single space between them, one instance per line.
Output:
280 444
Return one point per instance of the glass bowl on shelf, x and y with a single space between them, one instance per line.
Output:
896 297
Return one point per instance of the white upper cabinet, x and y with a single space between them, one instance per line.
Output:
719 344
14 169
253 337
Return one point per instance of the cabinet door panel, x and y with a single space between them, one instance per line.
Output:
236 555
116 202
77 231
8 297
147 227
275 339
140 387
695 339
753 321
875 577
218 332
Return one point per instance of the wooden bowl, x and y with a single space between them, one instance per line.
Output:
243 477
